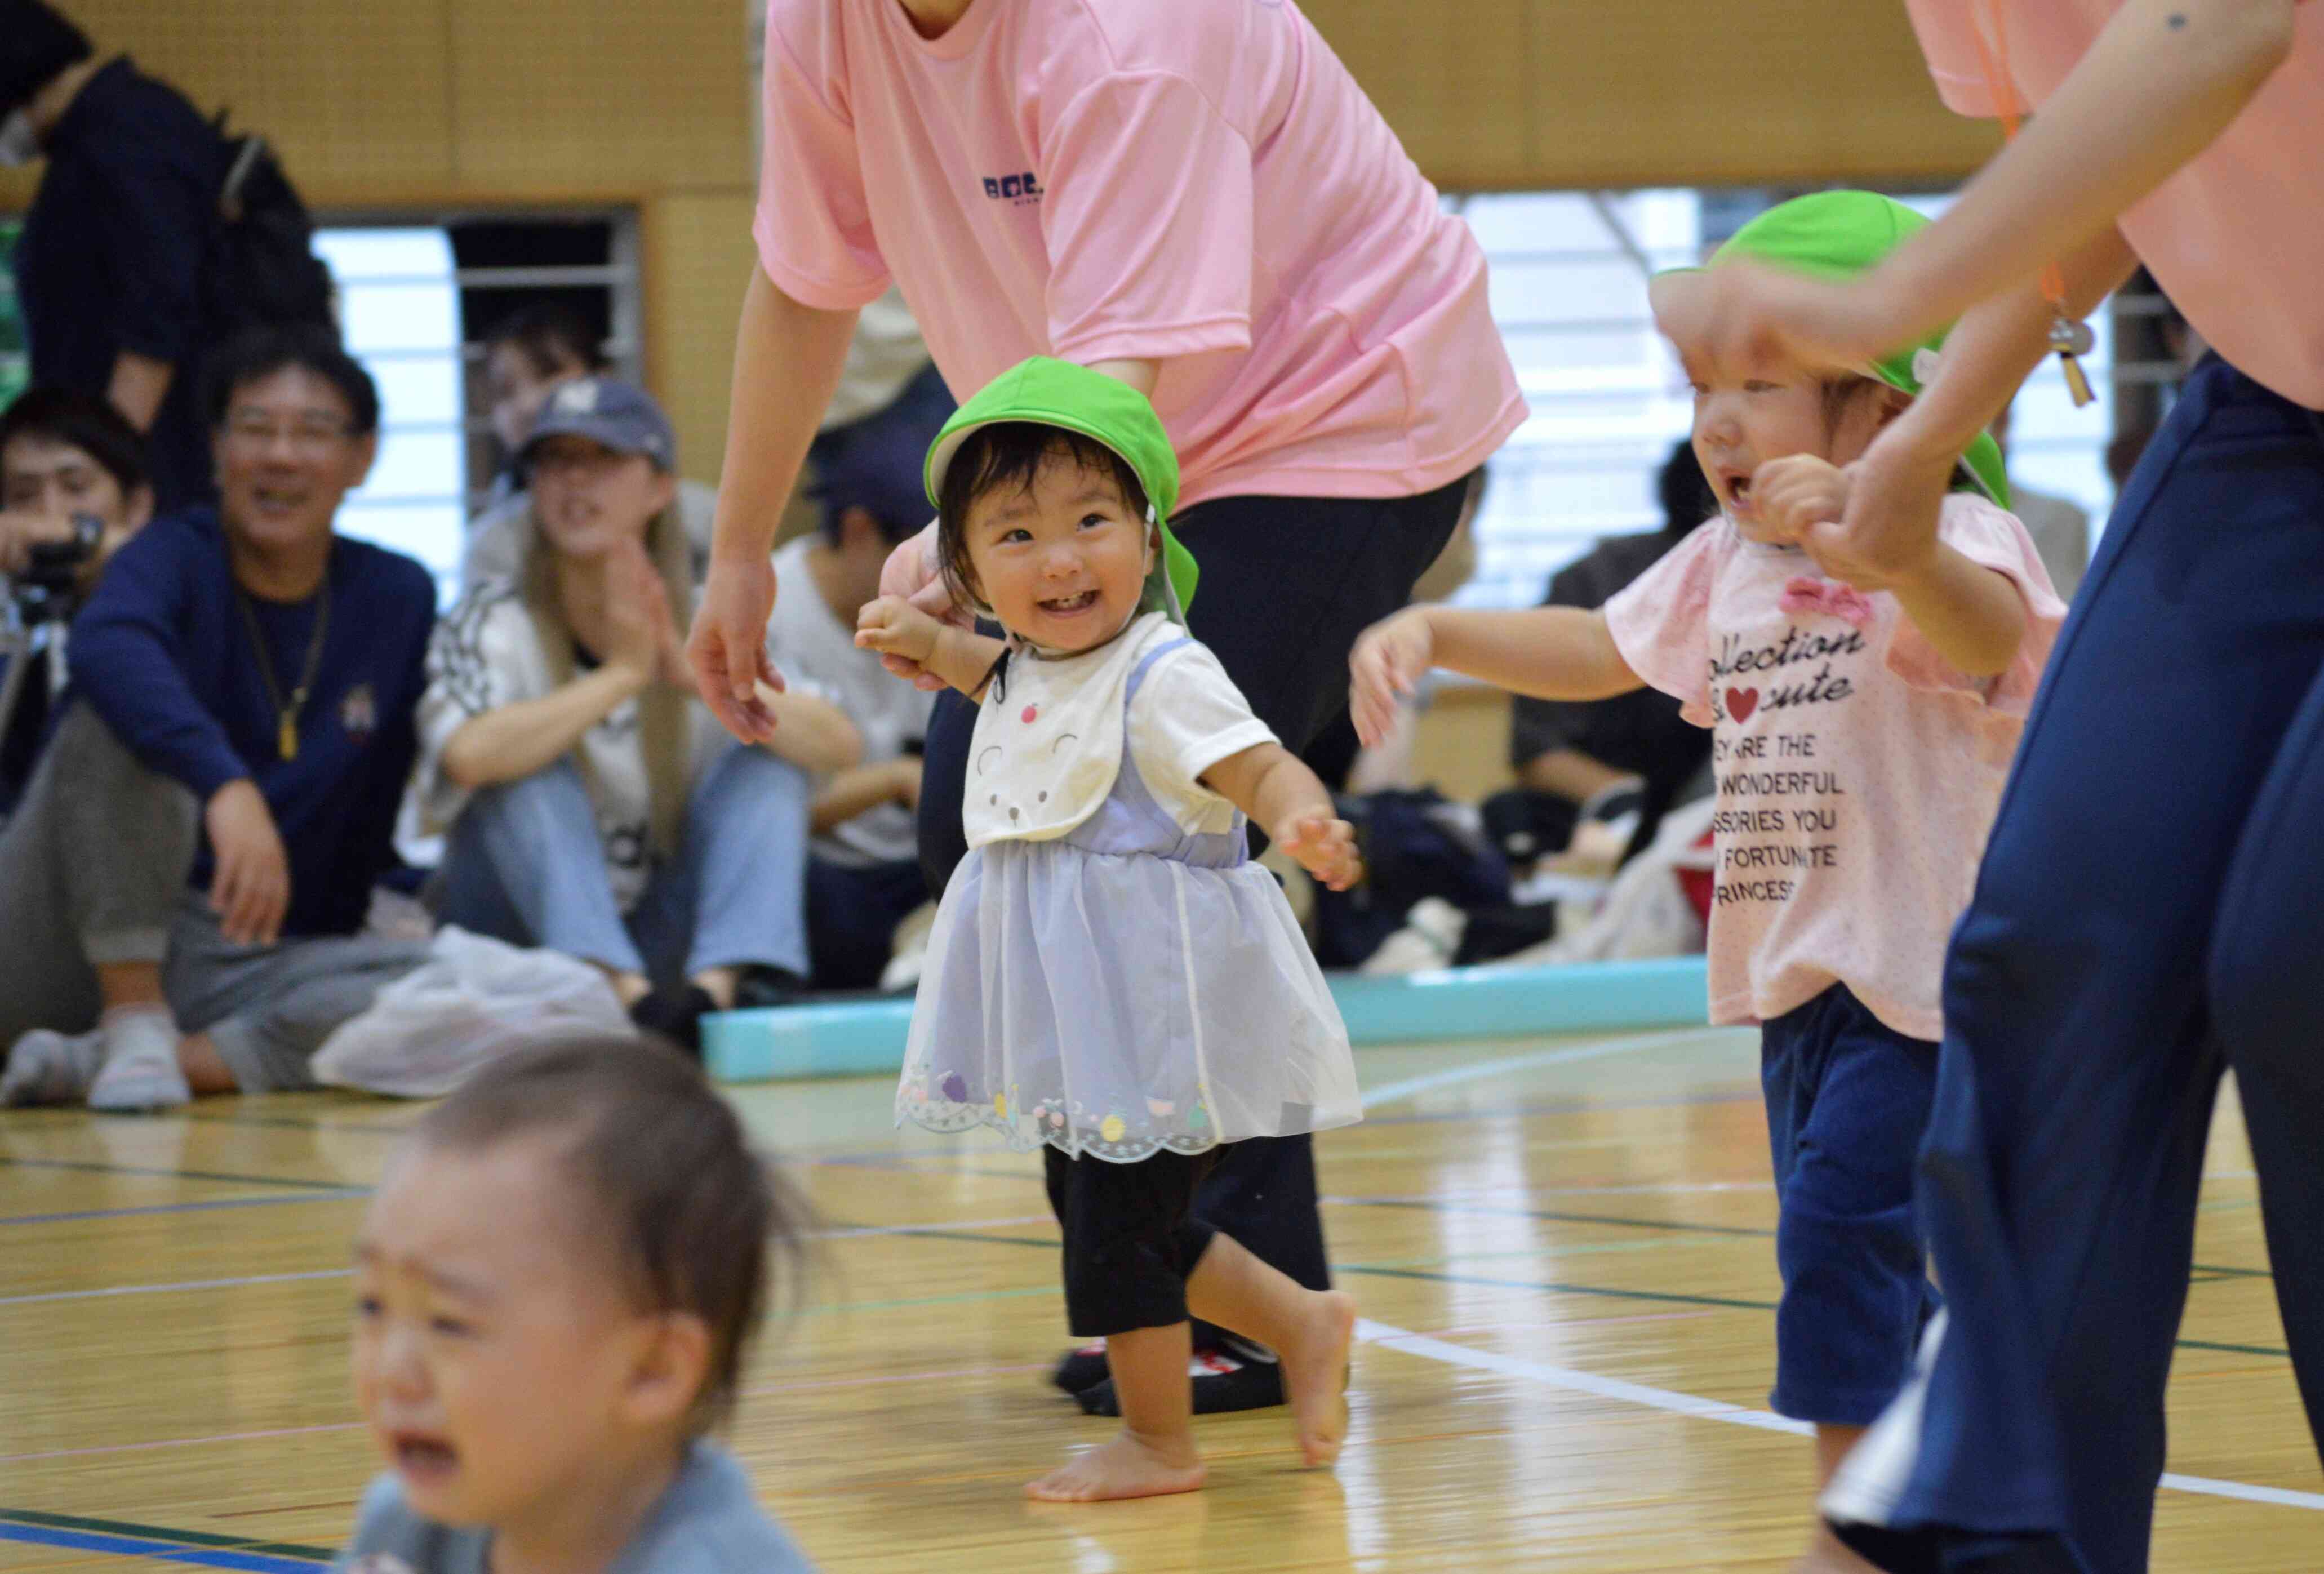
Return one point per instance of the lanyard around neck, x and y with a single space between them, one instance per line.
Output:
2069 337
286 713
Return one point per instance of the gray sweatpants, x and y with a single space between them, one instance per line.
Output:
93 869
269 1008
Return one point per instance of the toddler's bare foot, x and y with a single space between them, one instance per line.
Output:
1829 1555
1128 1467
1315 1375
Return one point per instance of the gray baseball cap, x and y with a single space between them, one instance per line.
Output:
620 415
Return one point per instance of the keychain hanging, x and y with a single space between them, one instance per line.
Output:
2069 337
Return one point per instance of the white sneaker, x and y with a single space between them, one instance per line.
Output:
46 1067
141 1069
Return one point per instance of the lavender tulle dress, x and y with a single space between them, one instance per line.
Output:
1125 988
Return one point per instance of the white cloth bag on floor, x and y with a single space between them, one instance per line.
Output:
473 998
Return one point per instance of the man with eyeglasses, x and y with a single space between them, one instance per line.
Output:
224 785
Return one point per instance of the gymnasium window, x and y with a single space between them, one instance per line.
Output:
1569 271
415 300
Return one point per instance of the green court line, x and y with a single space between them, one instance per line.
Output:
2204 1344
119 1527
2225 1272
961 1299
107 1169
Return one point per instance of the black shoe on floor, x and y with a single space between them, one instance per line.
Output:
675 1015
1223 1382
1083 1368
760 986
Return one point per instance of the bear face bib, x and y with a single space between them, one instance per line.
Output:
1048 745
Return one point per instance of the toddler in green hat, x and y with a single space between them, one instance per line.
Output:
1109 978
1860 735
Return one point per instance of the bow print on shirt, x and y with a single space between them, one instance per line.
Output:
1807 594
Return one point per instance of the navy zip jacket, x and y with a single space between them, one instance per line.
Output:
165 655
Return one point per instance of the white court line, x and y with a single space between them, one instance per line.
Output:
1630 1043
1403 1340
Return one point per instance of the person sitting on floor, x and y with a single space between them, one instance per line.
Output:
243 686
593 804
72 477
529 355
864 877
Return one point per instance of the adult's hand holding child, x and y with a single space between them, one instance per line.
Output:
910 575
1388 663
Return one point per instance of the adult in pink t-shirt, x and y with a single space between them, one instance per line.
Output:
2147 912
1193 196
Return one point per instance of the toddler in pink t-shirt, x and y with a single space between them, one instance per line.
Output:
1861 737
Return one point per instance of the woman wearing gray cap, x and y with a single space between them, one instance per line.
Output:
593 804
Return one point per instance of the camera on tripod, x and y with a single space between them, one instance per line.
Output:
48 589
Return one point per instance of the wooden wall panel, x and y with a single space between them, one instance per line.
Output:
1452 80
1746 92
611 90
697 257
349 90
1583 93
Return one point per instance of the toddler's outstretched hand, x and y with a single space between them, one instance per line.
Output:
1388 662
1326 848
1793 494
894 627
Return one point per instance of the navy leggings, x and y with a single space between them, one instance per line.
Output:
2150 912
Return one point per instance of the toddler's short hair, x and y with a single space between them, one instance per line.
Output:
1006 457
687 1207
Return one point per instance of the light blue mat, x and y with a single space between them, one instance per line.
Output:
862 1038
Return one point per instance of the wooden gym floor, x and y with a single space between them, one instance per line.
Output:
1562 1247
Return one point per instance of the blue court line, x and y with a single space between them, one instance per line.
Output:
170 1552
341 1195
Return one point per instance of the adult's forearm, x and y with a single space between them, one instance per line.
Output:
2000 340
2161 81
139 386
1571 774
787 357
853 792
814 734
514 740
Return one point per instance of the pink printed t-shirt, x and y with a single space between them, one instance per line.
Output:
1198 182
1857 771
2235 237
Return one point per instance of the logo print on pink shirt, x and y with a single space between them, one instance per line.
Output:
1017 189
1741 702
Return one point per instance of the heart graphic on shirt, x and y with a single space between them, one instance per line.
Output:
1741 702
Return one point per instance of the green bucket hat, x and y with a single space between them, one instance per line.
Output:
1056 393
1841 235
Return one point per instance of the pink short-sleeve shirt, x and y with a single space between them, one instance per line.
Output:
2236 236
1198 182
1857 771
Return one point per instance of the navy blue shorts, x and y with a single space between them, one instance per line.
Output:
1847 1100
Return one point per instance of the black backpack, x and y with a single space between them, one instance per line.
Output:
260 269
